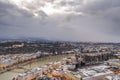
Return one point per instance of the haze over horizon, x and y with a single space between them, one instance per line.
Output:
69 20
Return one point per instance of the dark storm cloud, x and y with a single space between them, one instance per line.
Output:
99 20
101 5
107 10
11 15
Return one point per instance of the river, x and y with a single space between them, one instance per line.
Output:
13 73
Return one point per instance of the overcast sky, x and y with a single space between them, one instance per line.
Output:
71 20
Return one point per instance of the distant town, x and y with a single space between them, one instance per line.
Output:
59 60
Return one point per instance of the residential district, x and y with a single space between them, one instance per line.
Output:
82 61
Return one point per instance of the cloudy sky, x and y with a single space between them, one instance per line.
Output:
71 20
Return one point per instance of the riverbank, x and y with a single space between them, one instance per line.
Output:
35 63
